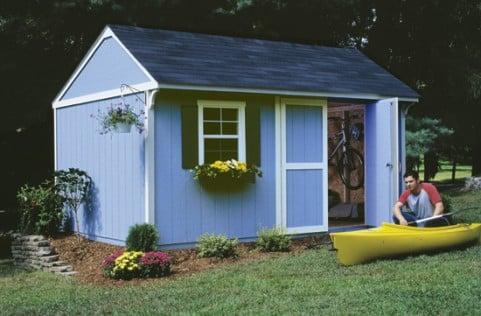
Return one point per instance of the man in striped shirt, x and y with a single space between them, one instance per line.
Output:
422 199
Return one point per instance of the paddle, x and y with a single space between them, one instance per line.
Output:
427 219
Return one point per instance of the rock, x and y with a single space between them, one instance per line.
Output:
472 183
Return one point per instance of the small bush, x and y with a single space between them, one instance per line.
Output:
155 264
216 246
40 209
274 239
142 237
447 203
126 266
136 264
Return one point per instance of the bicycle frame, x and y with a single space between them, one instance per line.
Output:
342 142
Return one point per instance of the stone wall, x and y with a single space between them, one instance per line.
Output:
34 251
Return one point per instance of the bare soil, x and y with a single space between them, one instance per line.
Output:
86 257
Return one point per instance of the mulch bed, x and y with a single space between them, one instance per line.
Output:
86 257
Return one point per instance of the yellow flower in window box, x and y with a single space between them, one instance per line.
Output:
226 174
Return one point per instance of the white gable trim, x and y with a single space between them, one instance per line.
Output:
106 33
136 88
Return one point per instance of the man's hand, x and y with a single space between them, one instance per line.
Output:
403 221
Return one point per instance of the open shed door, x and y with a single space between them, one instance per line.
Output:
381 160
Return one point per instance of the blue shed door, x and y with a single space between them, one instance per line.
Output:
381 160
303 165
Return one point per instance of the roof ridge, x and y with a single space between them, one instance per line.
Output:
112 26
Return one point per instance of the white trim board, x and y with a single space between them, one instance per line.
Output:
149 158
319 94
106 33
136 88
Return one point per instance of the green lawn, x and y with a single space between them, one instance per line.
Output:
462 171
309 282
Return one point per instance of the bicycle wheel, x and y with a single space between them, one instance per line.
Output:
351 168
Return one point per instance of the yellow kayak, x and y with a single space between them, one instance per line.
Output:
390 240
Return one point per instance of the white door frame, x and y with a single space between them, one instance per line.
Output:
282 165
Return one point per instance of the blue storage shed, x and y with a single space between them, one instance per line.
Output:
270 98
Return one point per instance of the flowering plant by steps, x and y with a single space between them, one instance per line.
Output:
136 264
227 170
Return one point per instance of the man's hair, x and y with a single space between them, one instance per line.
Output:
411 173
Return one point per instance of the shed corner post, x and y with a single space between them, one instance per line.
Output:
149 156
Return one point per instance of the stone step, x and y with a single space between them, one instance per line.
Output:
50 258
41 243
69 273
54 264
66 268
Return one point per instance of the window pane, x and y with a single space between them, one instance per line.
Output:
211 128
229 114
228 144
210 157
211 114
229 128
220 149
227 155
212 144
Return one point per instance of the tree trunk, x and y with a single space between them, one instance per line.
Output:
453 171
476 159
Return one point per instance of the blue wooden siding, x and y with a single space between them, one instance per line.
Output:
184 210
114 161
304 198
107 69
304 133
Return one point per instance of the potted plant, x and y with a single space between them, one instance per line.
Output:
228 175
120 118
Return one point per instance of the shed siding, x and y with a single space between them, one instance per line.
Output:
108 68
115 162
183 209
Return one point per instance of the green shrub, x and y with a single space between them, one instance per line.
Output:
216 246
142 237
447 203
40 209
274 239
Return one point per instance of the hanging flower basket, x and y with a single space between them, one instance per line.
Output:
123 127
119 119
226 175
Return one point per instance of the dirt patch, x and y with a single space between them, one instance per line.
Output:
86 257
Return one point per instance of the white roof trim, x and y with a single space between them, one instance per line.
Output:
284 92
106 33
138 88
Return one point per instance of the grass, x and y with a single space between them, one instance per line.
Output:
310 282
444 175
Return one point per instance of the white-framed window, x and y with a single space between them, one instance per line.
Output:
221 130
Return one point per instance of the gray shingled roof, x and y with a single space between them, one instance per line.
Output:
195 59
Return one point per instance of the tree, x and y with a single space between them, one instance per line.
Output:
73 186
425 137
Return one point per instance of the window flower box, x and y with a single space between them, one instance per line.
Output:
226 175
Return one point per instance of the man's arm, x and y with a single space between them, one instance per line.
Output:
397 213
438 209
